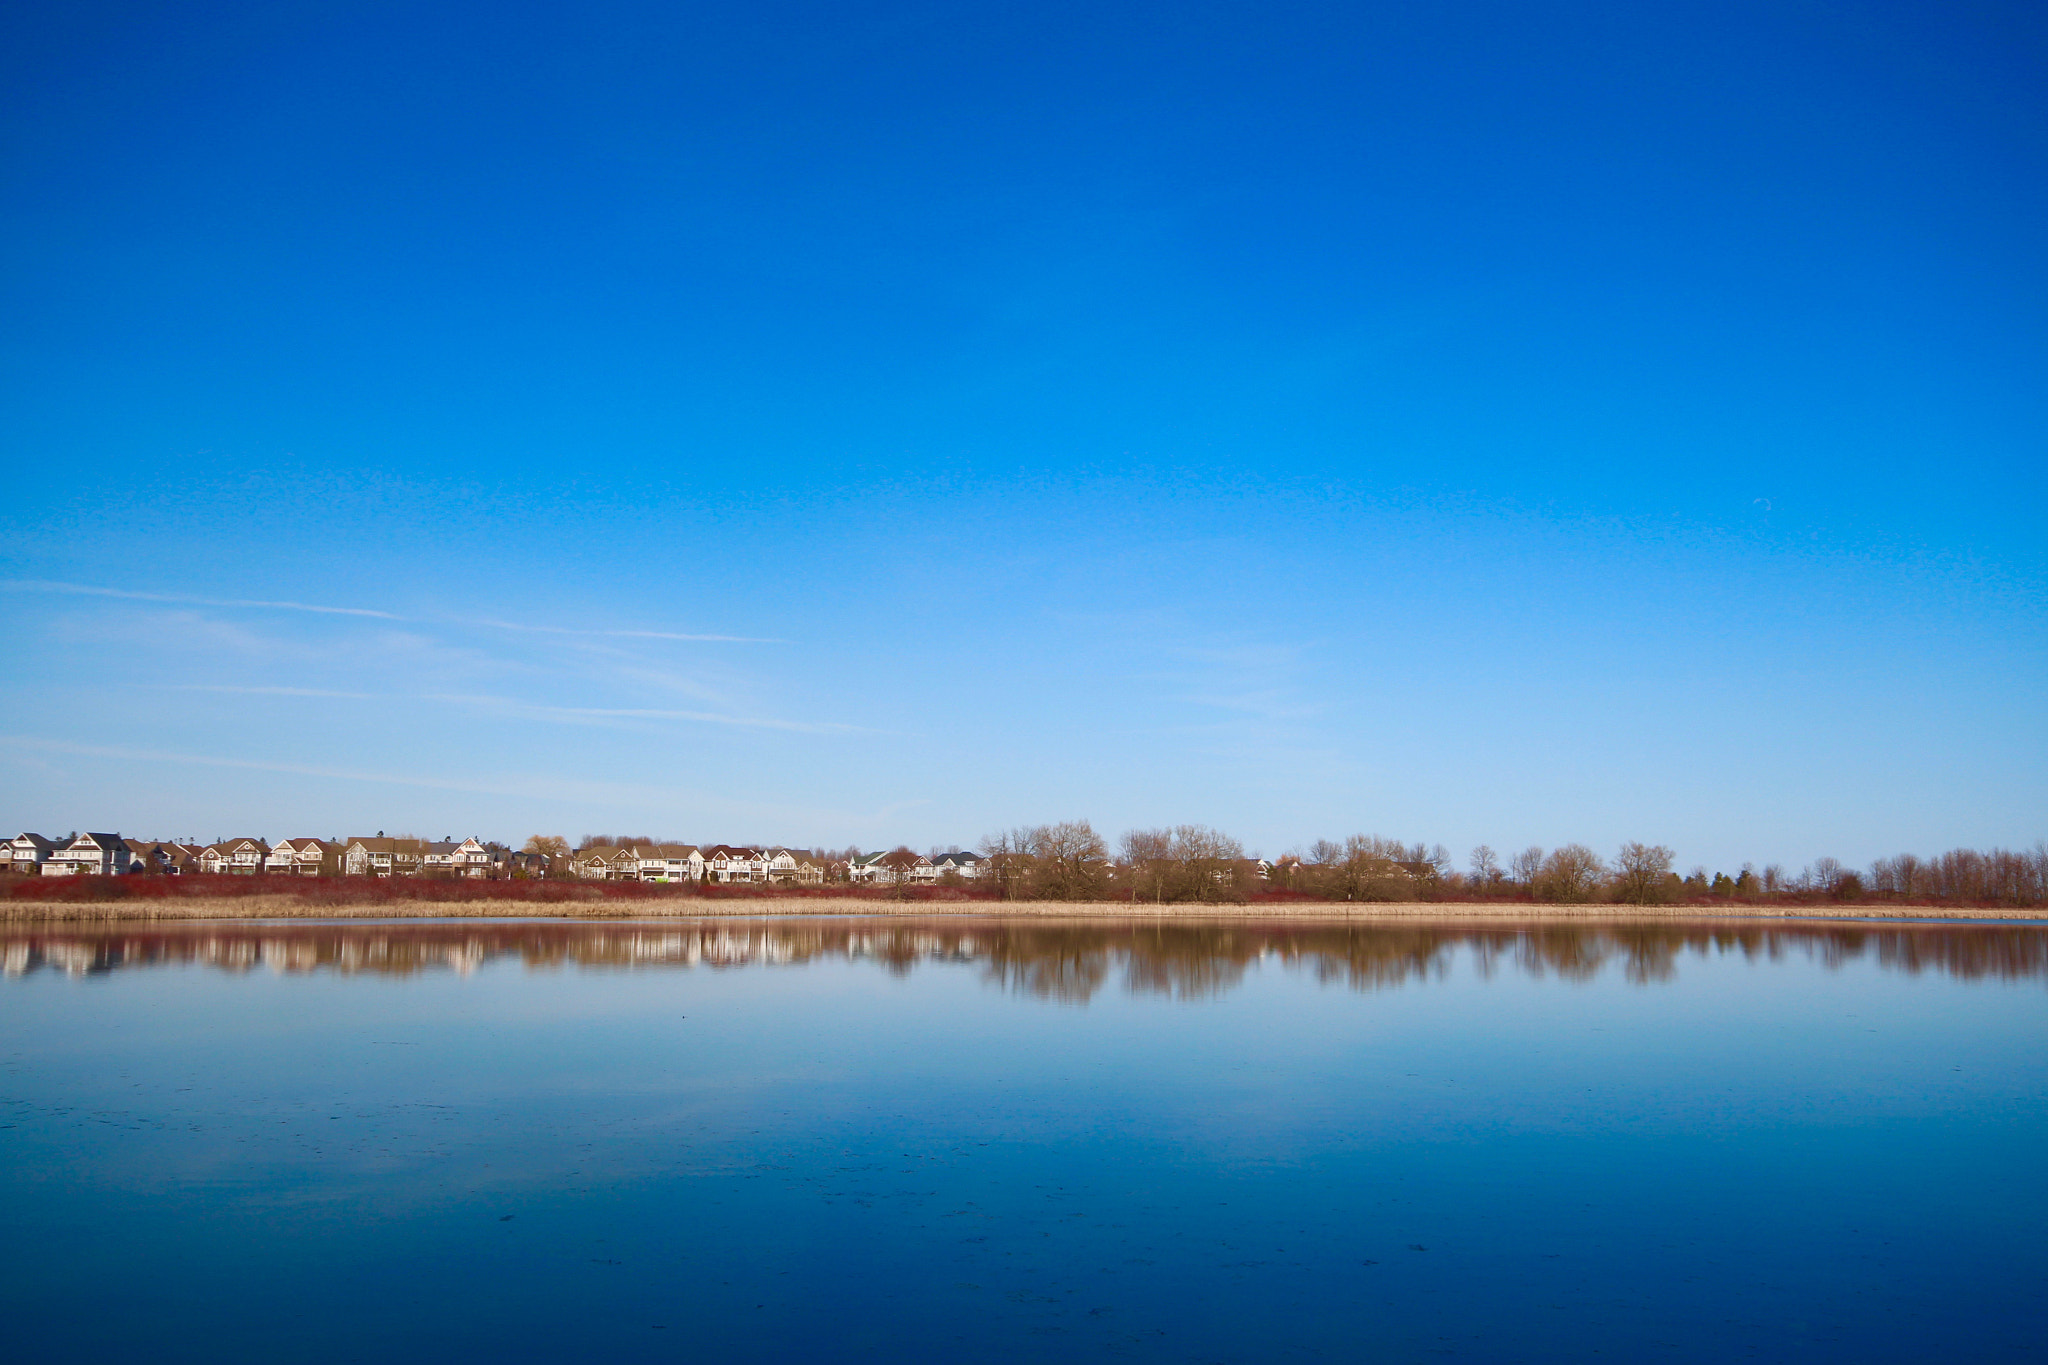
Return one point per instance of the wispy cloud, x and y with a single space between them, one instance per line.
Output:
550 790
266 604
631 634
58 746
598 714
268 691
87 590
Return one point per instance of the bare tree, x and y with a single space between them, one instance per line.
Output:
552 847
1525 867
1070 858
1209 864
1008 858
1570 874
1485 867
1147 859
1640 871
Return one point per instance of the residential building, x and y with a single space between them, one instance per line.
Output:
882 869
790 865
447 858
148 855
378 856
602 862
966 865
669 863
26 853
731 863
239 857
90 855
304 858
184 858
519 863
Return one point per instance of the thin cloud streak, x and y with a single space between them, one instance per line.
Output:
548 790
86 590
632 634
186 599
58 746
574 714
268 691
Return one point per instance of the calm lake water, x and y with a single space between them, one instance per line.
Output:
978 1140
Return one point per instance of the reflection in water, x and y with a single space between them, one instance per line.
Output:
1064 962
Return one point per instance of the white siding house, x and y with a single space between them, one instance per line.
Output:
26 853
90 855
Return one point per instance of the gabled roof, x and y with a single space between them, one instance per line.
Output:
380 844
955 859
226 846
36 839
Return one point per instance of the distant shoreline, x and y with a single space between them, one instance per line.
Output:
288 907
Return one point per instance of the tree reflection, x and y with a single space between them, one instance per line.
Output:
1069 963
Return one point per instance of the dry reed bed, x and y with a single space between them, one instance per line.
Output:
289 907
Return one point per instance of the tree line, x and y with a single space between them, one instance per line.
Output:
1181 864
1194 863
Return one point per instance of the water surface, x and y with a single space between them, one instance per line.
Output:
982 1140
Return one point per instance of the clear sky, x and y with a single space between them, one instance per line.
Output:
850 423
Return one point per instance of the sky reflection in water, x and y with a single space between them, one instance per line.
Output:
994 1141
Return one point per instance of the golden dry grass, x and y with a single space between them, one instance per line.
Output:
681 908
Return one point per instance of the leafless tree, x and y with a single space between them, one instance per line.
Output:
1147 856
1068 860
1008 863
1640 871
552 847
1485 865
1209 864
1570 874
1526 866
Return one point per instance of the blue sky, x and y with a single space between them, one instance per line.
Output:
1518 423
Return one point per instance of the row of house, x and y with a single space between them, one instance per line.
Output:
112 855
720 863
382 856
725 863
903 865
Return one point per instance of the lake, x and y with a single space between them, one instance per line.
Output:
995 1140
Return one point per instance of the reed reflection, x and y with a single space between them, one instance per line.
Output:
1065 963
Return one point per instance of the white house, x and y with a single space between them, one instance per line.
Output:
94 855
26 853
788 865
965 864
875 868
241 857
446 857
302 858
377 856
669 862
727 863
